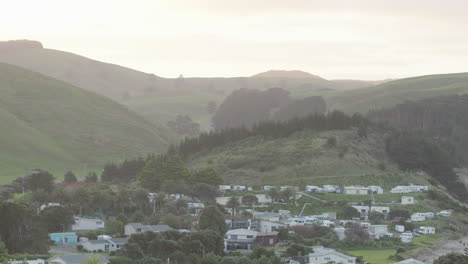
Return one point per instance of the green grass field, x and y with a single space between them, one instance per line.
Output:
374 256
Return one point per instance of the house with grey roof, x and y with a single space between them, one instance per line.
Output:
104 245
135 228
75 259
322 255
409 261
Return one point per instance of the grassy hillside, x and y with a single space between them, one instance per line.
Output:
307 158
160 99
392 93
53 125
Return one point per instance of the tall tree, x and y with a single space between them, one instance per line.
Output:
211 218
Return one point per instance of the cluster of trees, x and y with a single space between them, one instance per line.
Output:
439 117
416 152
126 171
171 174
184 125
248 107
22 230
268 129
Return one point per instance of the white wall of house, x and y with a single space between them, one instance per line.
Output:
323 255
84 224
407 200
356 190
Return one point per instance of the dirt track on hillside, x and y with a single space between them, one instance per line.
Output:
448 246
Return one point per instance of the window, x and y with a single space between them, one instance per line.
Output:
249 236
138 230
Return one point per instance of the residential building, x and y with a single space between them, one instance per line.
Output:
266 188
407 200
378 231
86 224
75 259
323 255
195 208
445 213
267 239
375 189
242 223
426 230
135 228
356 190
364 210
312 188
238 188
265 226
240 239
224 188
409 188
63 238
409 261
331 188
380 209
406 237
419 217
107 245
400 228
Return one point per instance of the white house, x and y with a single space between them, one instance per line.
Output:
419 217
409 261
312 188
380 209
331 188
409 188
445 213
239 239
323 255
426 230
356 190
265 226
406 237
86 224
135 228
238 188
108 245
378 231
375 189
75 259
224 188
407 200
400 228
266 188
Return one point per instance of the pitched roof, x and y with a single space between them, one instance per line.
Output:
122 240
76 258
410 261
98 242
158 228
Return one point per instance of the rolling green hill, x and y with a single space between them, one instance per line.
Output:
155 98
394 92
50 124
307 158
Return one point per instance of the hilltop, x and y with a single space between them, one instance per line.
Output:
285 74
50 124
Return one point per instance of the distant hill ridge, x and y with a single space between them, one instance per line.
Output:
285 74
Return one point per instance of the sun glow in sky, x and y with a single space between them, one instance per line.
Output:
336 39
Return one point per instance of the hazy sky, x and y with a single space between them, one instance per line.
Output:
335 39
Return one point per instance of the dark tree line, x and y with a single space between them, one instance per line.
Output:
268 129
443 118
414 151
125 171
